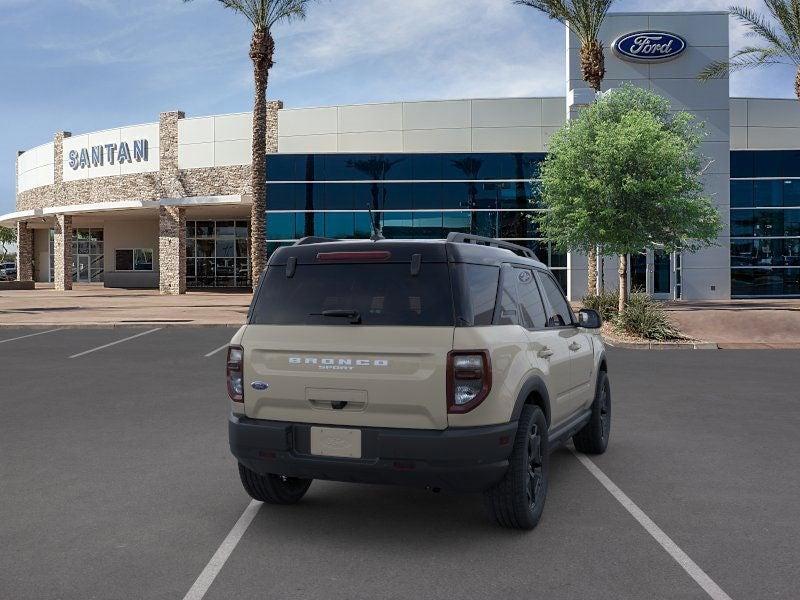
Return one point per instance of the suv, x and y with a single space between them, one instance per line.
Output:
8 271
454 365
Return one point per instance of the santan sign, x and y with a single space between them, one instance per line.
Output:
97 156
649 46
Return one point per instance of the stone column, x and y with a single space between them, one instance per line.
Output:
171 250
62 250
24 252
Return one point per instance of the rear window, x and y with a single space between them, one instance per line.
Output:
476 293
381 294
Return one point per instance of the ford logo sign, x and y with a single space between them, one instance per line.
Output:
649 46
259 385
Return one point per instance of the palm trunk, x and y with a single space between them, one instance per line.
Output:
593 67
623 282
797 84
261 51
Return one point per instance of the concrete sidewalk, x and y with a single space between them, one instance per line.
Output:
740 323
94 305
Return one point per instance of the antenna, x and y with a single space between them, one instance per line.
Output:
377 234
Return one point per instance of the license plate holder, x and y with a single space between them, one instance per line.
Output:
336 441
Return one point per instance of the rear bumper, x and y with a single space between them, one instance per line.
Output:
469 459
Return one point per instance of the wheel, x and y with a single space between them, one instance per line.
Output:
273 489
593 438
518 500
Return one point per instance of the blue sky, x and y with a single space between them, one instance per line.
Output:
84 65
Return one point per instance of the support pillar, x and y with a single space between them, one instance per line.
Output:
62 251
24 252
171 250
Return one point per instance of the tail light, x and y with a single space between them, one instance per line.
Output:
235 373
469 379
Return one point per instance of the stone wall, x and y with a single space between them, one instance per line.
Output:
172 250
62 253
24 252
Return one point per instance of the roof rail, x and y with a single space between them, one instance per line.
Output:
312 239
465 238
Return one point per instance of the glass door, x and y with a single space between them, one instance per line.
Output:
83 269
662 272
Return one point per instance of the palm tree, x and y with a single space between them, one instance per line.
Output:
780 42
584 19
263 15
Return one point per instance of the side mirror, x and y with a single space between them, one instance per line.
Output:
589 319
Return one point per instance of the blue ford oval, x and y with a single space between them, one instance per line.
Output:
649 46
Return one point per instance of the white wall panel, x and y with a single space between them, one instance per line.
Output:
738 108
233 152
437 140
299 144
547 132
709 29
196 131
773 113
507 112
717 124
766 138
308 121
233 127
371 141
507 139
195 156
446 114
691 94
739 138
370 117
554 111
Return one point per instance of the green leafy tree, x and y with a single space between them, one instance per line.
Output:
626 175
8 236
584 19
263 15
778 40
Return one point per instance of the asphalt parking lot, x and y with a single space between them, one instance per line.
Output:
116 482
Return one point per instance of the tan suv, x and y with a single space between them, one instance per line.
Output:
454 365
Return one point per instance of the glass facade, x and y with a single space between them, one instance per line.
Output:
765 223
218 254
412 196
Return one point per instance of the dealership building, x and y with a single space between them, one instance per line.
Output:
167 204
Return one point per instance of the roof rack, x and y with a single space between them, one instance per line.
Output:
465 238
313 240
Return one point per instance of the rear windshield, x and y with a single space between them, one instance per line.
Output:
380 294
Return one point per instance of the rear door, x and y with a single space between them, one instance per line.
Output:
358 344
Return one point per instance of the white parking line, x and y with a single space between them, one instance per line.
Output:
209 574
115 343
22 337
695 572
213 352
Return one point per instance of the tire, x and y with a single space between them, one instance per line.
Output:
593 438
273 489
517 501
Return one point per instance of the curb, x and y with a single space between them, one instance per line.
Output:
663 345
113 325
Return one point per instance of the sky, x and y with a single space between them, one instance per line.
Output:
86 65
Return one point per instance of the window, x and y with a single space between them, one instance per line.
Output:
560 313
507 311
218 252
477 286
382 294
530 300
133 259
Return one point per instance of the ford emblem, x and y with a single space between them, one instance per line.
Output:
259 385
649 46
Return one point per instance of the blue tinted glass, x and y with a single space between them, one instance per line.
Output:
460 222
281 167
765 282
791 192
338 167
742 223
741 194
339 196
742 164
398 196
768 222
455 195
515 195
768 193
526 166
398 225
399 166
427 195
282 196
426 166
495 166
465 166
791 223
790 165
339 225
373 167
768 163
310 196
485 194
280 226
308 224
310 167
485 223
517 225
362 226
428 225
557 258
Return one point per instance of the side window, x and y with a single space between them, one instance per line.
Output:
478 293
530 301
507 313
561 314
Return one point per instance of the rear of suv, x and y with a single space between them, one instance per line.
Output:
451 365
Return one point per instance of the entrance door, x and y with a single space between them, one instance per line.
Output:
638 269
83 268
662 271
650 272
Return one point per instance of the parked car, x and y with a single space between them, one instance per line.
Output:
454 365
8 271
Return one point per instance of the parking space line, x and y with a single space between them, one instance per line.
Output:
213 352
22 337
694 571
214 566
115 343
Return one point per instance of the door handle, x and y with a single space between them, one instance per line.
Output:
545 353
574 346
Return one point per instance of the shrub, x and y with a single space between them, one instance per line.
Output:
646 318
606 303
